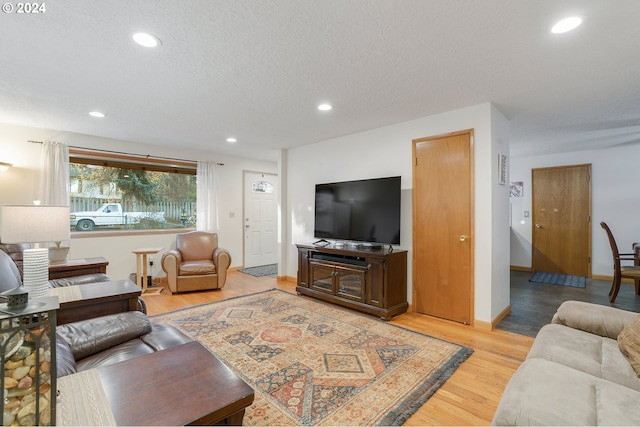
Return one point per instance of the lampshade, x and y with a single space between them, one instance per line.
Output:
34 224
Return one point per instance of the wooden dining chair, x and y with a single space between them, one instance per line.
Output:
619 271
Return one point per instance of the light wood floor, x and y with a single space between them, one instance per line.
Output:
469 397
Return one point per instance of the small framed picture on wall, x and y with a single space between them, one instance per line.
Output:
502 169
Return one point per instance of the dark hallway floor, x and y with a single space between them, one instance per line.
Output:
533 304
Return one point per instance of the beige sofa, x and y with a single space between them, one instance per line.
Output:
576 373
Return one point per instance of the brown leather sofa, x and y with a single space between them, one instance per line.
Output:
15 251
11 277
197 263
107 340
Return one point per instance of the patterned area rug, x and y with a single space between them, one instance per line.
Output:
559 279
312 363
262 270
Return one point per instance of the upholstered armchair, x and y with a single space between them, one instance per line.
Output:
197 263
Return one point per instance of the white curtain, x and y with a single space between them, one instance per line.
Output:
53 186
207 213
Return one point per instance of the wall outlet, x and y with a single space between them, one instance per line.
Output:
151 262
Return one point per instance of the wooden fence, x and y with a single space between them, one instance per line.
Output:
174 212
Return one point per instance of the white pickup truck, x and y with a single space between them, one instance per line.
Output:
110 214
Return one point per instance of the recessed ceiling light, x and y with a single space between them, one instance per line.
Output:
232 140
146 39
324 107
566 24
96 114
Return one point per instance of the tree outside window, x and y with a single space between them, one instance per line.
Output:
111 196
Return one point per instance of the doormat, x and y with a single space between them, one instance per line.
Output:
311 363
559 279
261 270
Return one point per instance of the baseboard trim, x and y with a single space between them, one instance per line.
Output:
486 326
501 316
610 278
519 268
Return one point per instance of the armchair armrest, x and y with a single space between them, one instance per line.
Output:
593 318
92 336
170 263
222 261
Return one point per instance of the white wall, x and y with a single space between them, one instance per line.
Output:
615 200
500 274
18 186
387 151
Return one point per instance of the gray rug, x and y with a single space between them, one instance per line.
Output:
262 270
559 279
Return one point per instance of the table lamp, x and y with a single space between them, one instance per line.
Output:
34 224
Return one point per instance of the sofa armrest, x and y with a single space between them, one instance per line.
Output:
65 362
163 336
593 318
78 280
92 336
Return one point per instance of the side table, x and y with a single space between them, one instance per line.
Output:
78 267
79 302
141 269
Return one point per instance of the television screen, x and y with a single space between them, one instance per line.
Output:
363 211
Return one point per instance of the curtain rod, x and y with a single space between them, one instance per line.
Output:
127 154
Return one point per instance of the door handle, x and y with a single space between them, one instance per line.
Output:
538 226
463 238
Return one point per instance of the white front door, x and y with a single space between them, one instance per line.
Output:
260 219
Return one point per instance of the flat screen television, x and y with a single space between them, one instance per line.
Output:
365 211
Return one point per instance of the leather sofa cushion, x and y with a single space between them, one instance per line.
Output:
163 336
15 251
78 280
9 273
191 268
65 362
128 350
91 336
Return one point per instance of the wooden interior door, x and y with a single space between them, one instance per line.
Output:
443 226
561 204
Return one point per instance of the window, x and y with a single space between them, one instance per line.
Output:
262 187
114 192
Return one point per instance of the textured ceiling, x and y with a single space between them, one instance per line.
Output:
257 69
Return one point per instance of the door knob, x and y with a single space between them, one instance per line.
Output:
463 238
538 226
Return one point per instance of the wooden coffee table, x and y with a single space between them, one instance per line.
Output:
79 302
178 386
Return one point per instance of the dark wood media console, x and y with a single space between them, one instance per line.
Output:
373 281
